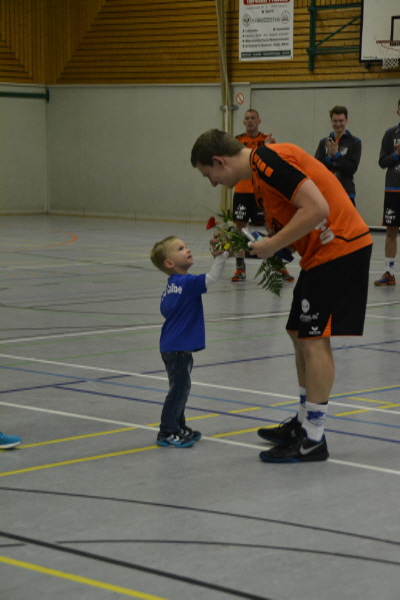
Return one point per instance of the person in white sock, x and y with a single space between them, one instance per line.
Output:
389 159
308 210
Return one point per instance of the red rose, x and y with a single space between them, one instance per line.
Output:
211 223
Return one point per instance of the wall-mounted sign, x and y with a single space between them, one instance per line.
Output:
265 29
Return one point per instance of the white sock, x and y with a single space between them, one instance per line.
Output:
314 422
301 411
390 265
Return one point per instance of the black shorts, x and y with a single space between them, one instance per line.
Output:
391 209
245 209
331 299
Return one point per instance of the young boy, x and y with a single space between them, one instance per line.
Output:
183 332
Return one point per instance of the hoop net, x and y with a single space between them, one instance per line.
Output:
390 51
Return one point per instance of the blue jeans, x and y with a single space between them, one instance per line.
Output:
179 366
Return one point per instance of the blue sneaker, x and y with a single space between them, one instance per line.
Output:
9 441
178 440
191 434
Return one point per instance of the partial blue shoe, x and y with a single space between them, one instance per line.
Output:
9 441
174 439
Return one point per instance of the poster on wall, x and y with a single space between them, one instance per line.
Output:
265 30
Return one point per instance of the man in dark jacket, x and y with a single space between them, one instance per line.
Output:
340 152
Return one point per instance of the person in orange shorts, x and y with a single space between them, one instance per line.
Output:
309 211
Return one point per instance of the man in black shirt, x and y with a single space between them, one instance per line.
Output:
389 158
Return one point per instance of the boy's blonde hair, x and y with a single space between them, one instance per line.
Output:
159 253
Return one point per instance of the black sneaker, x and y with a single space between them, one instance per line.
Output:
174 439
190 433
301 450
285 433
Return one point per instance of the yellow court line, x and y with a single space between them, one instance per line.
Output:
240 410
351 412
383 406
77 460
78 437
78 579
370 400
380 389
219 435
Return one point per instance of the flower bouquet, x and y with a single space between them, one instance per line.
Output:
231 239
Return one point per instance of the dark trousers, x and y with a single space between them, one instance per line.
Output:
179 366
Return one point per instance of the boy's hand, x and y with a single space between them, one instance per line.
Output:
213 248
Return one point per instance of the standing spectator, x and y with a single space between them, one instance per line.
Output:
389 159
245 207
340 152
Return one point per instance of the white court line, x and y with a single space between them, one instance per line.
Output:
209 439
158 326
133 328
87 263
79 333
199 383
120 423
383 317
142 375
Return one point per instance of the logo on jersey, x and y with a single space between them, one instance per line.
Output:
172 289
326 234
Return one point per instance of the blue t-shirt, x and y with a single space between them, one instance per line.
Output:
182 308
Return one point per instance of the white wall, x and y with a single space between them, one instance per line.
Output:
23 176
125 151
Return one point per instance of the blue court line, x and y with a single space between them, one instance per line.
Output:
104 380
68 387
286 355
237 416
77 380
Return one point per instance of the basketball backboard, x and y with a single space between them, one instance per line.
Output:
380 21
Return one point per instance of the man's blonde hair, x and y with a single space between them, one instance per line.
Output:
159 252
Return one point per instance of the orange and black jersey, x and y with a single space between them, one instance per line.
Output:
246 186
278 173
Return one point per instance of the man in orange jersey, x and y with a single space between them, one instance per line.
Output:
309 211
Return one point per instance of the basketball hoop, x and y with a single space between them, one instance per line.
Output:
390 52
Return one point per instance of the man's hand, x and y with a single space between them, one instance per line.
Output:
270 139
332 147
397 149
262 249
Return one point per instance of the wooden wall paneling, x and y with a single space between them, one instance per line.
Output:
160 41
